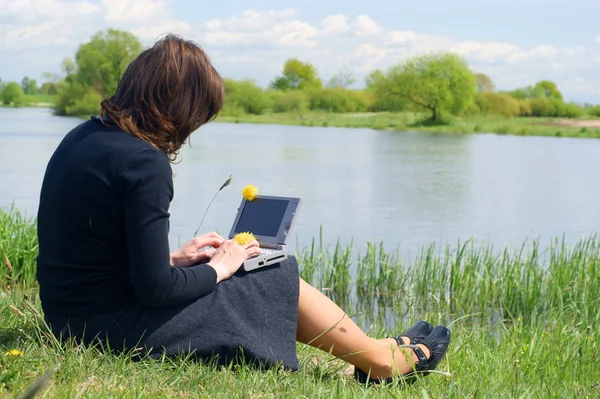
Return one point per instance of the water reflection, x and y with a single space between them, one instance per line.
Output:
406 188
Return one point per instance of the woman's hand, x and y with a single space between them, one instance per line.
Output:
228 258
188 255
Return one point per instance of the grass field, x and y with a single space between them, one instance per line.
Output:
525 324
410 121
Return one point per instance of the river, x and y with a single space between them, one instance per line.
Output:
410 189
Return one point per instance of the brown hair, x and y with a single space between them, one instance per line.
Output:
166 93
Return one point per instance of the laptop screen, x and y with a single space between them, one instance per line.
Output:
262 217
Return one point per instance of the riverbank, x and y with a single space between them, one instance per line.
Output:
406 121
33 101
508 311
414 122
553 356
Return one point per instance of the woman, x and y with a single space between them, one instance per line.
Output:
104 268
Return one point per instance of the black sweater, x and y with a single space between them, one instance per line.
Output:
103 224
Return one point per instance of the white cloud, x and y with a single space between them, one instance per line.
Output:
597 40
40 33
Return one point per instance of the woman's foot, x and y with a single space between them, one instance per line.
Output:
415 334
425 356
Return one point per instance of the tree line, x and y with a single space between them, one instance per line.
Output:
440 85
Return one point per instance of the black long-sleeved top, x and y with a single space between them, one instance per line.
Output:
103 224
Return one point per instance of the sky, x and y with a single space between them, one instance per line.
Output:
516 43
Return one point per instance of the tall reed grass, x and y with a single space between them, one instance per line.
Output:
463 280
18 248
525 323
468 280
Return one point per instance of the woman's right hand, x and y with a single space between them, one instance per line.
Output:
230 256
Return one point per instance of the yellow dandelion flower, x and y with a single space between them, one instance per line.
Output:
14 352
250 192
244 238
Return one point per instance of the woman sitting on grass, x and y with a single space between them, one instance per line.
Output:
107 276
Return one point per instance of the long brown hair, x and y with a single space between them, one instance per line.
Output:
166 93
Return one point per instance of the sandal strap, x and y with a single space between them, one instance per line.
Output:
423 360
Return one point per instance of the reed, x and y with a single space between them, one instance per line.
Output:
18 248
524 321
469 279
553 355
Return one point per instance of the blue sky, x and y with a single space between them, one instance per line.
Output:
515 42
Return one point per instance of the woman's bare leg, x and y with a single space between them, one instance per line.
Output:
322 324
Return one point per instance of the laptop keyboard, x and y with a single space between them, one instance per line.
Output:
267 251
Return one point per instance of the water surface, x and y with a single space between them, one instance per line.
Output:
407 188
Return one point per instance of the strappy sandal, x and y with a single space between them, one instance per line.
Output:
416 333
437 342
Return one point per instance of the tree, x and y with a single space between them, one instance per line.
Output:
102 61
381 99
439 83
13 94
297 75
484 83
344 78
542 89
95 73
547 89
48 88
2 84
29 86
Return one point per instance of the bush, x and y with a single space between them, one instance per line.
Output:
245 95
497 104
524 108
572 111
594 111
13 94
542 107
74 99
290 101
336 99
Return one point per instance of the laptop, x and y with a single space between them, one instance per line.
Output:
270 219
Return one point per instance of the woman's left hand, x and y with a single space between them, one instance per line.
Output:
188 255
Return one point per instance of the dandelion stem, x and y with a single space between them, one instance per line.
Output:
227 182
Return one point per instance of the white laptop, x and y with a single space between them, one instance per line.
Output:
269 219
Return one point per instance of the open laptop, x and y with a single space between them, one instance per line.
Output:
269 219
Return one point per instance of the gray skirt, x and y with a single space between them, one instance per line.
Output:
251 317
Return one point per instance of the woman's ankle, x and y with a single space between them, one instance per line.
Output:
395 360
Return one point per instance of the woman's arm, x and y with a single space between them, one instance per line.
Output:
148 190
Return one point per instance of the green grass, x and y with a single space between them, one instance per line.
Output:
18 248
34 100
406 121
525 324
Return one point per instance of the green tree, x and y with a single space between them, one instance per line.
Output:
29 86
439 83
344 78
13 94
542 89
102 61
382 100
297 75
484 83
547 89
2 84
95 73
48 88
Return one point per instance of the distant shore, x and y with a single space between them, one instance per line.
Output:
557 127
408 121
